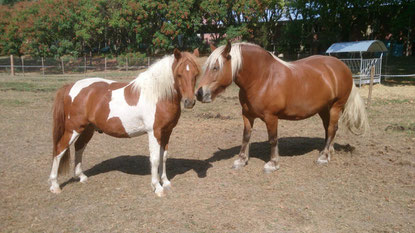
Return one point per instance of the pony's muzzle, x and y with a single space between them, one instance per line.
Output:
189 103
203 95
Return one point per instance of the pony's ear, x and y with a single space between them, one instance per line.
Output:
177 54
212 47
227 50
196 52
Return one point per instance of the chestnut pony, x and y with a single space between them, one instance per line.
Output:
148 104
271 89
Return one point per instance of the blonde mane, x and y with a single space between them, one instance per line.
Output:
236 58
157 82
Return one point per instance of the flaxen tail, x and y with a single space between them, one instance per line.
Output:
59 129
354 114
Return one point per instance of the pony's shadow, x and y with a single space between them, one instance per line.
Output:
140 165
288 146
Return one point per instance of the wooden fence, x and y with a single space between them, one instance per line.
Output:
52 66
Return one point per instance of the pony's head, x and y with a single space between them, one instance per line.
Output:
218 73
185 71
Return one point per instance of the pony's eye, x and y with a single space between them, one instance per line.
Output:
215 68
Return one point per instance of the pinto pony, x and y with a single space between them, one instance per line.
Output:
148 104
271 89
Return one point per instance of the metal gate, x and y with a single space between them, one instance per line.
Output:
361 69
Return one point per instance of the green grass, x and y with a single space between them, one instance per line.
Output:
13 102
408 128
26 87
379 102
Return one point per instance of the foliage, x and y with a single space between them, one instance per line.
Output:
75 28
132 58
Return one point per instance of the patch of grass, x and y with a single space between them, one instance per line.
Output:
16 86
13 102
390 101
25 87
402 127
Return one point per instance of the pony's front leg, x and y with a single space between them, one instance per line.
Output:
164 139
164 179
155 156
272 127
244 154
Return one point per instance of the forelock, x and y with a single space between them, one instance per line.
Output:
236 58
186 56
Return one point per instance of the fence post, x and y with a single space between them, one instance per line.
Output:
63 66
85 65
148 61
22 57
11 65
369 97
126 63
105 66
43 67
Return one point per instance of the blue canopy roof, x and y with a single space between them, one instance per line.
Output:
358 46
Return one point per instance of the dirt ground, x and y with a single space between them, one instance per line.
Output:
369 185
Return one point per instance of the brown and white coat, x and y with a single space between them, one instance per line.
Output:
148 104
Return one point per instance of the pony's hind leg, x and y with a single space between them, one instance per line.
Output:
62 151
244 153
325 117
80 145
330 122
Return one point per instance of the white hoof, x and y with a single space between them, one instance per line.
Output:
323 160
83 178
331 150
271 167
55 189
160 192
238 164
167 186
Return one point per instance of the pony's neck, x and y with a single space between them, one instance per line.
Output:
157 82
256 68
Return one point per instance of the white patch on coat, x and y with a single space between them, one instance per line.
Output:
74 136
137 119
187 67
55 165
81 84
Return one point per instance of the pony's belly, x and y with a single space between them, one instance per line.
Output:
134 129
294 117
299 112
133 123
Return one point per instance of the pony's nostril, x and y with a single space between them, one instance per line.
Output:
199 94
189 103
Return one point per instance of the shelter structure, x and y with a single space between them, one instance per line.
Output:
360 56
